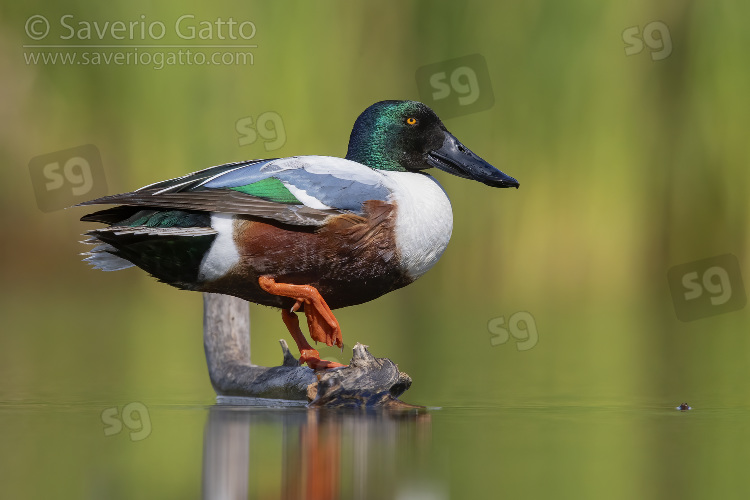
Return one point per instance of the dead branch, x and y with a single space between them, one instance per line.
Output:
367 382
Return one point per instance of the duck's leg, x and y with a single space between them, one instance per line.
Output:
320 320
306 353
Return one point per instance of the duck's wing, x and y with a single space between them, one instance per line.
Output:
303 190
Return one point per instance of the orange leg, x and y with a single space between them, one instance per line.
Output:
306 353
320 320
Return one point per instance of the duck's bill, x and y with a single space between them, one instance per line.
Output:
455 158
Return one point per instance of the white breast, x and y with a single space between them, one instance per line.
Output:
424 220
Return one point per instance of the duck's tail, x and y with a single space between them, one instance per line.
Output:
103 256
168 244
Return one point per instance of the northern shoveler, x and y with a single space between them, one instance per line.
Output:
306 233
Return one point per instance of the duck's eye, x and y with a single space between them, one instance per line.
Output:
411 121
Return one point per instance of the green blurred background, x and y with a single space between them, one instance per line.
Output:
628 166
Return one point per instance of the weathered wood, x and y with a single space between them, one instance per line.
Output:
366 382
226 339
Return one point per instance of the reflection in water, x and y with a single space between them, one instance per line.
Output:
324 454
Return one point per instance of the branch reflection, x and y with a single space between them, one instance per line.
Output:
301 453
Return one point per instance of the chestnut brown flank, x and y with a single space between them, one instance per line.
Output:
350 260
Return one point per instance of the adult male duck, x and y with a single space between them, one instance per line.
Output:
306 233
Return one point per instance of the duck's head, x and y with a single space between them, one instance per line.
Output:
408 136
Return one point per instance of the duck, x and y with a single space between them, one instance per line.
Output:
305 234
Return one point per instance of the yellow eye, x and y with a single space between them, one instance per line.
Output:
411 121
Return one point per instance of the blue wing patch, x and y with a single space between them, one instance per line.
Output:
317 181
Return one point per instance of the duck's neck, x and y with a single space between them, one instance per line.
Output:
370 144
374 159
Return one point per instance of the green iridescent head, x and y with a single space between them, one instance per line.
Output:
407 136
394 135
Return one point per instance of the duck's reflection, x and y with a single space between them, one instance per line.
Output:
300 453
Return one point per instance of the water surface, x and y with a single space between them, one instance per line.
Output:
230 451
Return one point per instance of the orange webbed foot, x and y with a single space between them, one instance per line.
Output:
320 319
307 353
323 328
